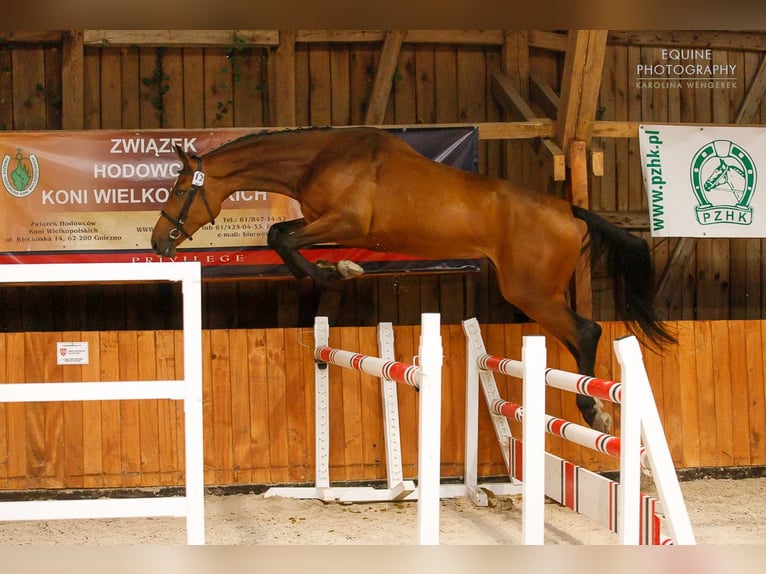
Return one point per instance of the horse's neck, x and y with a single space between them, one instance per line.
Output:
274 163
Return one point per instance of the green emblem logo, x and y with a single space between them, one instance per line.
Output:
20 174
723 179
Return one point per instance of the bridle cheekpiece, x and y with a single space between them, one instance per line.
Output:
198 185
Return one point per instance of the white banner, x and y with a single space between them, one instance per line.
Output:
703 181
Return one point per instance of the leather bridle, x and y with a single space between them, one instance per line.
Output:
198 185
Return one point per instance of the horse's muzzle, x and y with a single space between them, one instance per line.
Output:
164 248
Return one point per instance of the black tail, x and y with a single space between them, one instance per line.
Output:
630 266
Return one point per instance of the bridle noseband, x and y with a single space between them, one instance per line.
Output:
198 185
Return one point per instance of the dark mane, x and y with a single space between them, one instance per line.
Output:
245 139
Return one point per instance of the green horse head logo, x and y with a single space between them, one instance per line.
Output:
723 179
20 174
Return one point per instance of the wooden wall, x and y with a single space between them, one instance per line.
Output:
259 405
150 79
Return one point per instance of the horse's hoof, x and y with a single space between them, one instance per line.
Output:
602 422
349 269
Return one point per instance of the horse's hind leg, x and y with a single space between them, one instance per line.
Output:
287 237
580 336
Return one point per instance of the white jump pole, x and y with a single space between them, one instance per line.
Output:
429 429
533 355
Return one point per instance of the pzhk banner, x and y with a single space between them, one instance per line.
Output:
703 181
94 196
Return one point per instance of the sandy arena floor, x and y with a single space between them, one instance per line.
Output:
722 512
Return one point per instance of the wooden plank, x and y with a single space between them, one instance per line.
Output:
240 407
709 413
218 92
181 38
34 367
4 446
296 390
208 437
28 63
689 392
320 88
53 470
284 80
739 387
453 410
381 89
405 343
755 341
148 412
722 392
92 466
111 84
713 39
130 88
130 420
173 99
168 423
277 401
373 446
221 397
52 91
194 105
16 415
72 80
340 78
257 398
111 463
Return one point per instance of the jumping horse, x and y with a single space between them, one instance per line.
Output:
365 187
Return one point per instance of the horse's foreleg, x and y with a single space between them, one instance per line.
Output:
287 237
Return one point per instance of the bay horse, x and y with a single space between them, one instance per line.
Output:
364 187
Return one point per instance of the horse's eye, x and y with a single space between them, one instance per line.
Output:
180 192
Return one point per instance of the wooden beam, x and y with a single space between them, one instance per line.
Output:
181 38
578 162
472 37
549 154
555 41
509 97
381 89
596 155
31 36
583 67
724 40
72 81
751 103
541 92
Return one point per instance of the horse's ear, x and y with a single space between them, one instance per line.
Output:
184 157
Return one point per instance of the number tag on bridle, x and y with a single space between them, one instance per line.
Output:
198 179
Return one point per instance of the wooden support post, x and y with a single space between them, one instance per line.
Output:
381 89
578 160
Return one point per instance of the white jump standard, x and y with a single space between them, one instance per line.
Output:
426 377
620 507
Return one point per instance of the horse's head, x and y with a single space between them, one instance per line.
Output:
187 209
